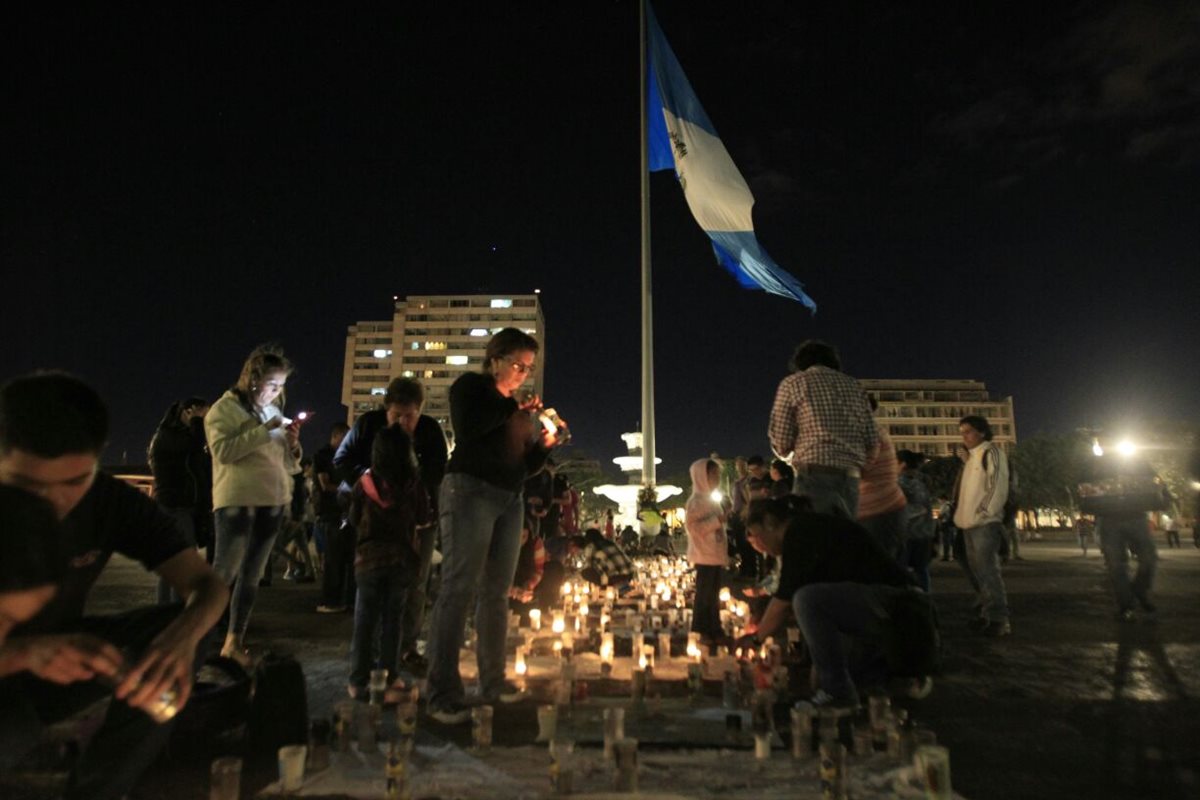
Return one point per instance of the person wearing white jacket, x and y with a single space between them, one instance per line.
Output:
979 512
255 451
707 549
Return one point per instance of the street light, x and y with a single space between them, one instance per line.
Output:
1126 448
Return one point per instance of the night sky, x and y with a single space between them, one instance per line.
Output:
1006 195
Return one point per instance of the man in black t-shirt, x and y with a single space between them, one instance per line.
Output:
52 429
839 582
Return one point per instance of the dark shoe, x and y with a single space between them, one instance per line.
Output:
996 629
978 625
450 714
1146 605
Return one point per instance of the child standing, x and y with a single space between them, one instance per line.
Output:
389 503
707 548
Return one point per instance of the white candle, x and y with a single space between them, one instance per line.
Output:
606 648
535 618
559 624
724 595
519 664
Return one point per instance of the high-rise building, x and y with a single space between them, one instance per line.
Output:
434 338
923 415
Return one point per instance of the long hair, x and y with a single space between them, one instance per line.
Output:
262 361
392 458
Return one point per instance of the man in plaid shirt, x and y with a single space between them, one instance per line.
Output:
821 423
604 562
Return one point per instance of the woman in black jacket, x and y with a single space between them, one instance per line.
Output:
182 471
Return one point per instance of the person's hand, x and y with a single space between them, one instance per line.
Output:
273 423
69 657
166 664
293 435
751 628
532 404
550 438
747 642
753 591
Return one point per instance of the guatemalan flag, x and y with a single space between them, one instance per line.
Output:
681 137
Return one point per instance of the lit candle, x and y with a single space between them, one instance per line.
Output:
519 665
664 646
568 640
584 608
566 588
606 648
558 646
535 618
724 595
559 624
610 594
648 656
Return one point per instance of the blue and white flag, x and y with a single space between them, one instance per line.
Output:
681 137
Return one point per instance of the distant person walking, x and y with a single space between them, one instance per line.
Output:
255 452
821 423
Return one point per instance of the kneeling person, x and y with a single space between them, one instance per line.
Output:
839 582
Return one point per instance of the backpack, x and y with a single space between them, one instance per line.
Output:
279 708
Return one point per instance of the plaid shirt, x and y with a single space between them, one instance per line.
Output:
821 417
608 559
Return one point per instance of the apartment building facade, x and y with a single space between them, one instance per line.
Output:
433 338
923 415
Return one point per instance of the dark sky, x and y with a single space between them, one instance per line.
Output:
981 193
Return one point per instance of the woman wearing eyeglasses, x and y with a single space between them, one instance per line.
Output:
498 443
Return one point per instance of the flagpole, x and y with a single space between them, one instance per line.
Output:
648 471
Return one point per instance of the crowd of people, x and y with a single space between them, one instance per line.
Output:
834 535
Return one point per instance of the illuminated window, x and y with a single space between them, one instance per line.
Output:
502 304
428 373
378 391
416 345
479 331
435 345
408 373
382 353
530 331
458 361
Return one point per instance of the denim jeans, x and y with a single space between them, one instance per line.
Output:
414 606
378 610
481 539
128 740
829 493
185 518
1118 535
245 536
982 546
827 612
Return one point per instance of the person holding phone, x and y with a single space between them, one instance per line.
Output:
255 452
499 443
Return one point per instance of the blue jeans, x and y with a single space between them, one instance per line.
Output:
829 493
245 535
827 612
186 520
481 539
414 606
982 545
378 607
1118 535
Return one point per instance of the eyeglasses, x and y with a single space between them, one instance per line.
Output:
521 366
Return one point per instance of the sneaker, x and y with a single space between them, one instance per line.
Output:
324 609
509 692
997 628
450 714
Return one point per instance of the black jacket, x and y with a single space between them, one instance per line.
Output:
353 457
181 465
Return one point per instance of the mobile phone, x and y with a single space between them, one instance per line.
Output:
303 415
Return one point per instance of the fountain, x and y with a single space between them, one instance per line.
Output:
626 495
